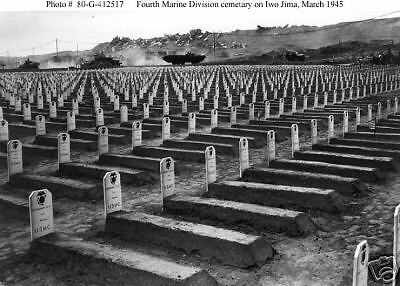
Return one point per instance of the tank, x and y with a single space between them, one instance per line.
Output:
182 59
293 56
29 65
100 61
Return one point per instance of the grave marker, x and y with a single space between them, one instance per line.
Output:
102 134
167 177
267 109
358 116
41 213
214 118
331 127
124 113
18 104
71 123
134 101
233 115
116 103
243 155
360 264
305 102
229 101
53 110
166 128
201 103
215 101
112 192
40 121
184 106
271 152
14 158
136 134
294 104
4 131
99 117
165 108
251 111
40 102
211 166
64 148
295 139
281 106
146 111
192 123
314 131
27 112
345 122
75 106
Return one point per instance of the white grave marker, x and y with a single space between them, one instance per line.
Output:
233 115
112 192
294 104
314 131
165 108
358 116
4 131
271 153
41 213
102 141
134 100
64 148
215 101
75 106
40 122
146 111
124 113
40 102
360 264
211 165
167 177
99 117
27 112
53 109
184 106
295 139
267 109
379 111
192 123
251 111
166 128
281 106
136 134
331 127
201 103
243 155
71 123
214 118
345 122
14 158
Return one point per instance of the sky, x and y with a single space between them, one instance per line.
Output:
29 23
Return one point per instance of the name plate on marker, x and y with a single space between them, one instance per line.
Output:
243 155
4 130
14 158
112 192
41 213
64 150
40 121
99 117
136 134
167 174
102 140
211 165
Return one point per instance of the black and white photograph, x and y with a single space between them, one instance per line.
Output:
199 143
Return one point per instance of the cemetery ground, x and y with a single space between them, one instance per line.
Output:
324 257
